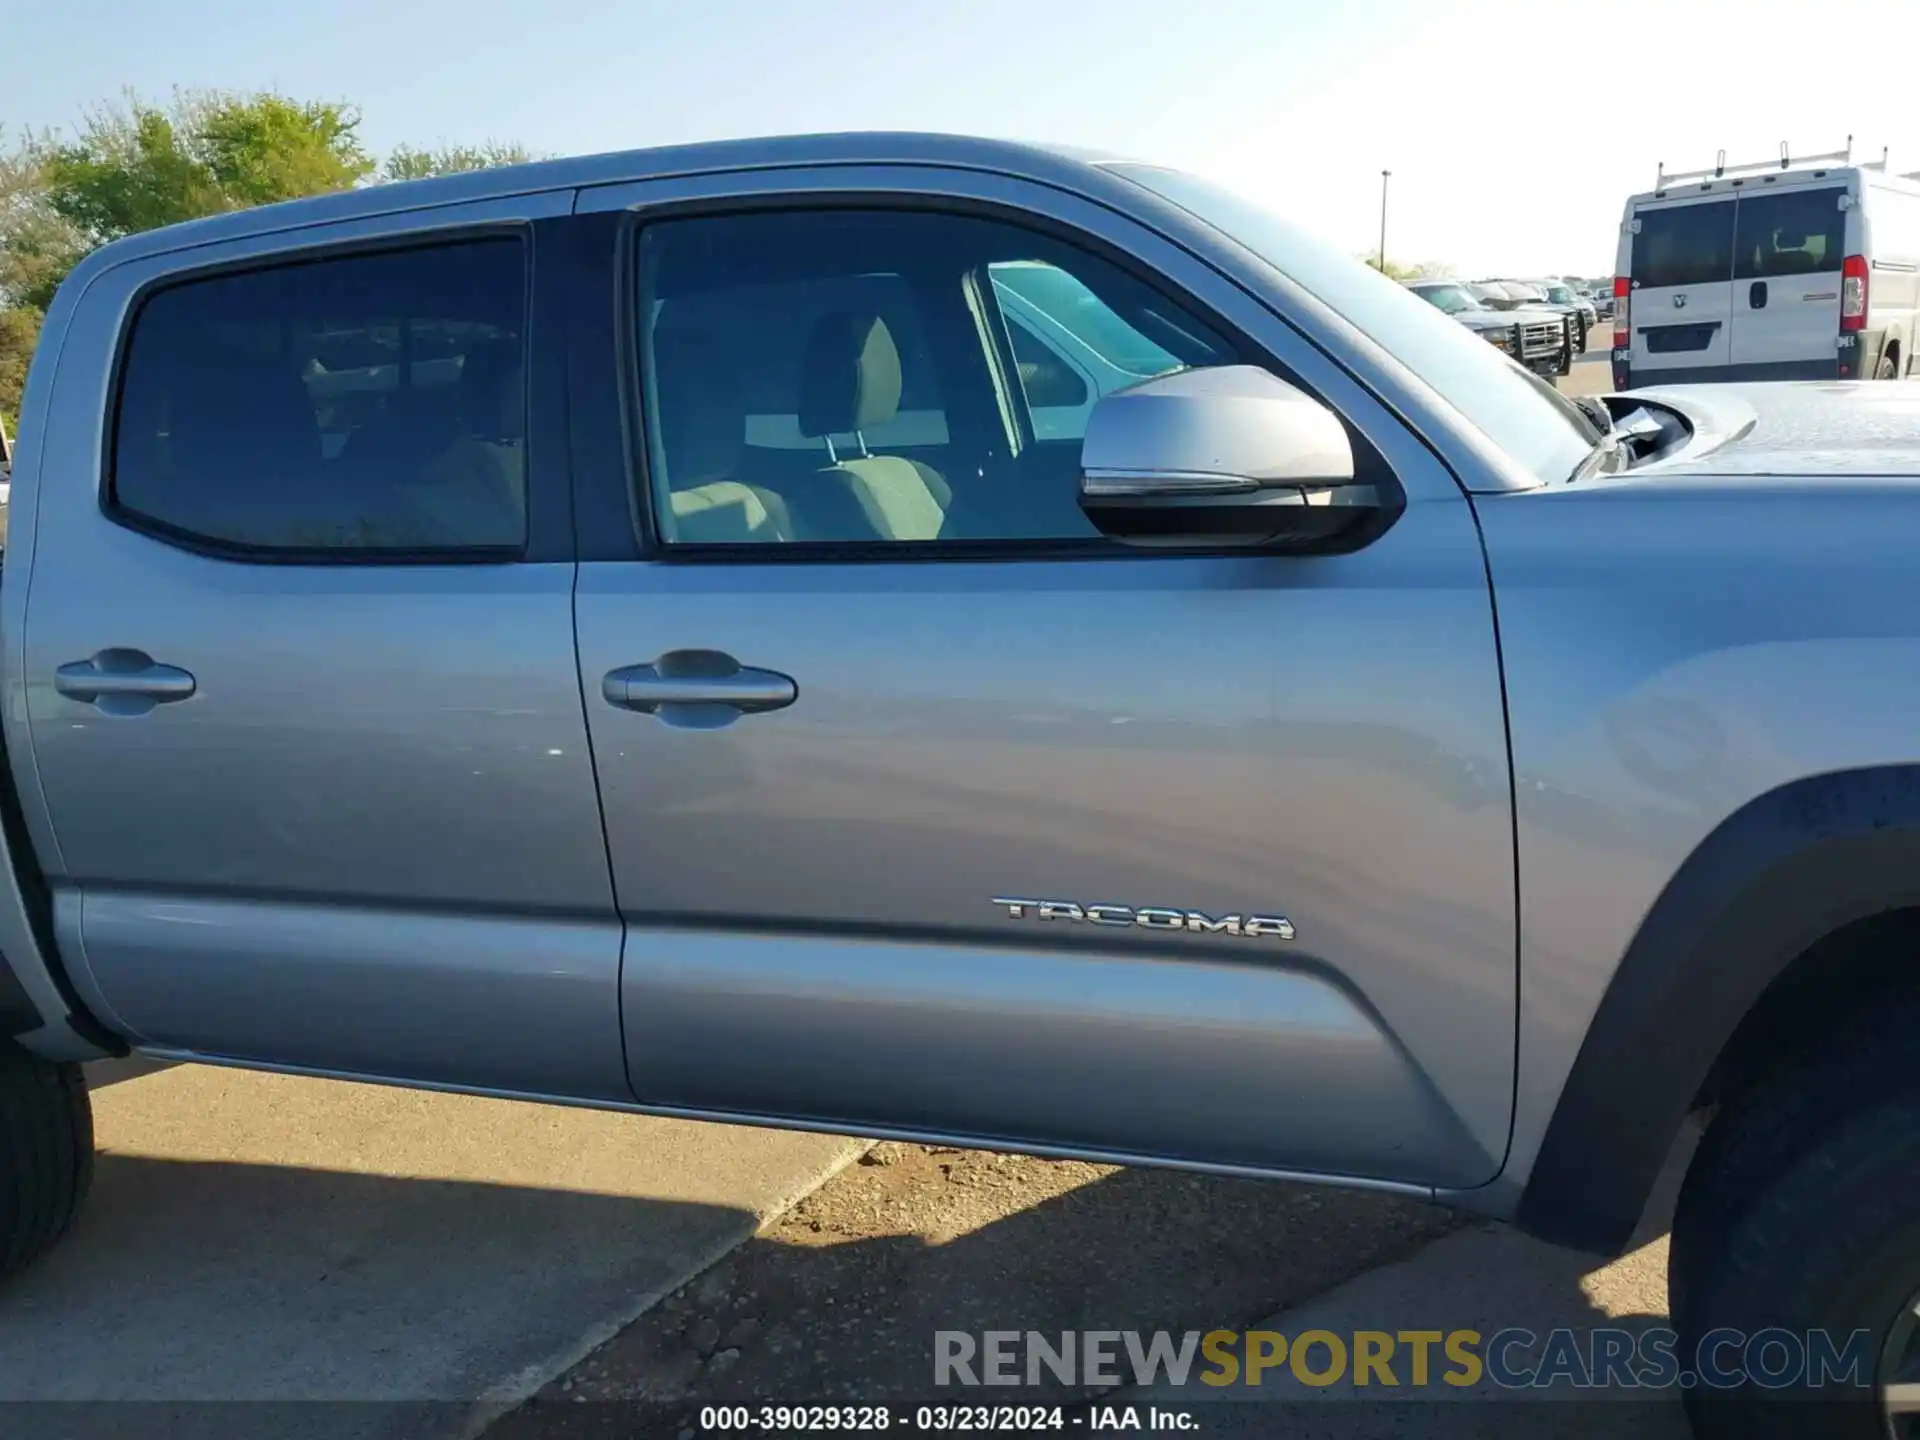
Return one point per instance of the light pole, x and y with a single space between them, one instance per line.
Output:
1382 254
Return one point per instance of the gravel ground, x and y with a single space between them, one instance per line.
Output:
838 1300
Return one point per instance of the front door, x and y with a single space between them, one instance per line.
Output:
1789 247
933 812
1681 309
299 673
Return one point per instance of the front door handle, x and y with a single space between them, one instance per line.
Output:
122 682
699 689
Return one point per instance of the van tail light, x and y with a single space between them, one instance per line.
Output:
1853 293
1622 335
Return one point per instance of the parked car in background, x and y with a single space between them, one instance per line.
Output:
1602 297
1496 294
1539 295
1559 292
1778 270
1538 340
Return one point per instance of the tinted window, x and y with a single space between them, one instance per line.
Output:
1684 245
860 376
1091 323
1045 377
370 402
1789 232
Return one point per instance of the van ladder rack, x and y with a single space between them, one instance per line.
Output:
1721 169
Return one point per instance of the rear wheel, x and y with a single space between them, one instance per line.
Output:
1888 368
46 1153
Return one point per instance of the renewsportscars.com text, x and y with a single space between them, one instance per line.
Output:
1510 1359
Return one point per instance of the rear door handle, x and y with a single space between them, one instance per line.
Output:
1757 295
122 682
699 689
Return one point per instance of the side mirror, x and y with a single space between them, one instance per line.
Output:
1230 455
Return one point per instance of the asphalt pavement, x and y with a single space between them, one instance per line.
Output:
267 1238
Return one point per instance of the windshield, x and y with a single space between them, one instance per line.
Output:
1450 298
1536 425
1559 294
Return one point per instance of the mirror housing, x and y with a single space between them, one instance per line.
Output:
1227 456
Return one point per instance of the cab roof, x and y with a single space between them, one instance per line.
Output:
1062 165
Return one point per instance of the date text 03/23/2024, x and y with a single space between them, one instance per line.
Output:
961 1419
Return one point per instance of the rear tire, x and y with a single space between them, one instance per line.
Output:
46 1154
1887 369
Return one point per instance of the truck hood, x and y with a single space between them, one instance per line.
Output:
1810 427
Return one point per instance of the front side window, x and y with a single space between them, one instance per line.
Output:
364 403
1790 232
861 377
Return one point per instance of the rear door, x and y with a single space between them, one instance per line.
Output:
1682 298
881 808
1789 246
298 673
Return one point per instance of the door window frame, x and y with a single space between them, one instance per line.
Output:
1249 321
531 220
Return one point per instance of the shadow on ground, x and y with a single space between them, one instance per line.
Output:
839 1303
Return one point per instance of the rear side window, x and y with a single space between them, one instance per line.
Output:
1684 245
360 404
1789 232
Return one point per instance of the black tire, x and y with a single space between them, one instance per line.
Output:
46 1154
1830 1244
1887 369
1764 1130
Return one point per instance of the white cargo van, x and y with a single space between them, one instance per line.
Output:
1788 270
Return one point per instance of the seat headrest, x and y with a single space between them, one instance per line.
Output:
703 423
851 375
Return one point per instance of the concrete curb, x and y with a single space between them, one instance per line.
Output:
517 1389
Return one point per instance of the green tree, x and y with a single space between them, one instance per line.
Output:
19 329
134 165
37 248
407 162
1392 270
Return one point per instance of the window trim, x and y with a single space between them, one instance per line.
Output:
652 548
317 251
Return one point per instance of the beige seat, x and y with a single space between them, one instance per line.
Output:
851 383
702 437
474 492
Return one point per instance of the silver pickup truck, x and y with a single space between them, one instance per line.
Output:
965 641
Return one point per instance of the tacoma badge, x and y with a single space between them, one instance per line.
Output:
1148 917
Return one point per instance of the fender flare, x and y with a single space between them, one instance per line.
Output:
1785 870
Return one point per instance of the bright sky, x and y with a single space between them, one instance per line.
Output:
1513 131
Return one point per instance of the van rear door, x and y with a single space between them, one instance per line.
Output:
1789 246
1682 296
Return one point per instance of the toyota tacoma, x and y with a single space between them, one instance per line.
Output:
612 631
